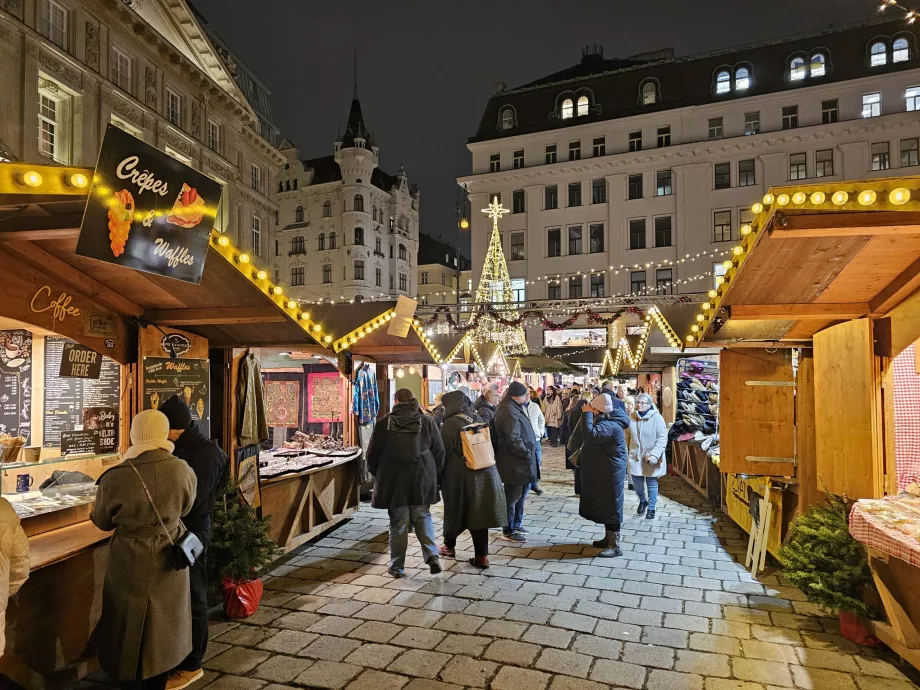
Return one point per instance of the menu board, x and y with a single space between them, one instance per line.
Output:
67 400
16 383
86 441
105 421
188 378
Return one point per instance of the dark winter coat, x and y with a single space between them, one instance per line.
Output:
603 465
406 457
485 410
209 463
473 499
573 438
515 444
437 414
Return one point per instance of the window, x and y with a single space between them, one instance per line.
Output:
637 282
378 277
574 150
256 177
327 273
824 163
878 54
553 290
359 202
359 270
574 239
298 214
402 282
637 233
554 242
321 241
723 81
517 201
663 231
879 152
403 254
872 104
664 136
596 238
423 280
818 66
359 236
790 116
507 118
909 153
830 112
327 209
568 109
742 79
574 193
746 176
550 197
664 281
54 23
518 289
912 98
517 246
723 175
331 240
517 159
297 275
797 167
797 69
752 123
550 155
214 136
575 286
599 147
495 162
391 251
634 187
597 285
649 93
663 183
900 50
297 245
377 249
391 282
257 236
121 70
173 107
599 191
635 141
715 128
583 106
51 125
721 226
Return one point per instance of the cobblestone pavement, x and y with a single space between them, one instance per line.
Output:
676 612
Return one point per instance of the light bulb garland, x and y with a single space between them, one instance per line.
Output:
910 16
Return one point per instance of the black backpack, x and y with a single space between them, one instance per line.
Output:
404 445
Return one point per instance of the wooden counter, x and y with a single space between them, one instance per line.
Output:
52 547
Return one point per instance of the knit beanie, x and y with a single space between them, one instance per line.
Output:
517 389
177 412
149 428
602 403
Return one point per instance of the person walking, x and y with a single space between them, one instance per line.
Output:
146 626
14 561
474 500
538 422
515 457
603 468
647 438
485 405
209 464
406 457
552 409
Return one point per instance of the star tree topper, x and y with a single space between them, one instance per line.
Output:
495 211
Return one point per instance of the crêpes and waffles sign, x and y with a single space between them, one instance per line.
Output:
148 211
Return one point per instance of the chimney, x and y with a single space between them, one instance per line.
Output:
592 52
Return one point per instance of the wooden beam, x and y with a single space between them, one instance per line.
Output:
216 316
389 350
797 312
897 290
14 225
25 235
846 224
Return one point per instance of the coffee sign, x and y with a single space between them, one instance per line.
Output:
148 211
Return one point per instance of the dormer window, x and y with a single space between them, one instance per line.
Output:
900 50
742 79
797 69
506 118
649 93
568 109
878 54
818 65
583 106
723 81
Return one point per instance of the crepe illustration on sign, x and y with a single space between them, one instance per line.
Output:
189 208
121 212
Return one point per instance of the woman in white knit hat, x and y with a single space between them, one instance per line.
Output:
146 628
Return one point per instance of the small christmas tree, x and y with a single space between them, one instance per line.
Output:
824 561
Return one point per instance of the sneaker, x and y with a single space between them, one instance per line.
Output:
514 536
447 552
522 530
537 490
396 573
182 679
650 515
434 565
642 506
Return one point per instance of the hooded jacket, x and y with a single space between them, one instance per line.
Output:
515 444
209 463
647 434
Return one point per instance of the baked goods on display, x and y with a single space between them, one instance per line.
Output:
189 208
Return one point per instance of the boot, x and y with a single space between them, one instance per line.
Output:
603 542
434 565
642 506
613 549
481 562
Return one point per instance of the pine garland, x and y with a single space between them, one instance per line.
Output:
823 560
240 544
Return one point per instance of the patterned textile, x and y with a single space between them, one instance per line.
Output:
366 401
889 525
282 400
906 417
324 398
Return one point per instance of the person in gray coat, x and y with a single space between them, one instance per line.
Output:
646 440
515 457
146 626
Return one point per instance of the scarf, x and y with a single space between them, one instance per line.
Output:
141 448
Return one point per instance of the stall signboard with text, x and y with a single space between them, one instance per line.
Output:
187 378
79 362
148 211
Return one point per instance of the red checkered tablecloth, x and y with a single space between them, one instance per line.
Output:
890 525
906 386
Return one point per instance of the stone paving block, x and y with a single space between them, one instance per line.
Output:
428 684
374 655
643 588
376 596
466 671
662 604
619 674
330 648
771 672
514 597
620 599
597 610
821 679
281 669
592 645
640 617
873 683
729 684
548 636
378 680
830 642
573 621
379 612
745 615
702 663
717 644
770 651
795 622
236 683
237 660
460 623
549 601
605 583
410 599
328 674
512 652
487 609
767 633
696 608
618 630
469 645
342 607
418 638
648 655
564 662
511 678
672 680
245 636
477 592
420 618
731 629
297 620
508 629
375 631
447 604
335 625
528 614
567 683
879 667
665 637
684 622
834 661
420 662
287 641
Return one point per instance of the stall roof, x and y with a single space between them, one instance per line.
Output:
817 255
541 364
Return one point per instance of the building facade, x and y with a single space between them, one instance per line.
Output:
439 273
68 69
347 230
634 176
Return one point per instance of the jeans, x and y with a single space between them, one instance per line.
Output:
514 497
420 518
198 584
480 541
536 484
552 433
652 483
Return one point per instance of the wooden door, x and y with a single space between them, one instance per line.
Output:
847 411
756 404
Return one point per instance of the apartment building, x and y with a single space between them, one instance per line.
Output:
440 270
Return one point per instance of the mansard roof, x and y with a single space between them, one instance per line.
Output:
325 169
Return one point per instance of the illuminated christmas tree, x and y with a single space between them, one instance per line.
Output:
495 289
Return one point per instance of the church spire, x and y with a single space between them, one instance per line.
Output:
356 127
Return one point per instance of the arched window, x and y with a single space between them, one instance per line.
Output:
327 209
878 54
321 241
359 202
797 69
402 252
359 236
742 79
568 109
723 81
374 214
649 93
298 214
507 118
817 67
583 106
331 240
900 50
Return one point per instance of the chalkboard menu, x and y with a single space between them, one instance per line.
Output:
105 421
16 383
86 441
68 399
188 378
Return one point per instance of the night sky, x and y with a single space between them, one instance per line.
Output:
427 67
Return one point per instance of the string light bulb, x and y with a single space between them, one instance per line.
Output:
799 198
746 229
694 328
713 294
277 290
243 258
261 275
78 180
866 197
782 199
727 265
32 179
840 198
690 339
899 196
817 198
757 208
223 241
738 250
768 198
291 304
316 327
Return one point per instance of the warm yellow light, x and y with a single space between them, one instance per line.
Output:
798 198
415 321
327 339
866 197
738 250
899 196
757 208
243 258
840 198
817 198
277 290
352 340
694 328
713 294
223 240
782 199
400 373
261 275
291 304
316 326
746 229
706 306
727 264
79 180
768 198
304 315
720 280
411 370
690 338
464 223
700 317
32 179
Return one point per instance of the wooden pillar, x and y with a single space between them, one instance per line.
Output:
669 381
383 390
805 440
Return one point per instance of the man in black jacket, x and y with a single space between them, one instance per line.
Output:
209 463
406 457
485 405
515 456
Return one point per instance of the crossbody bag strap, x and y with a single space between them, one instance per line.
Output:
466 417
152 505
